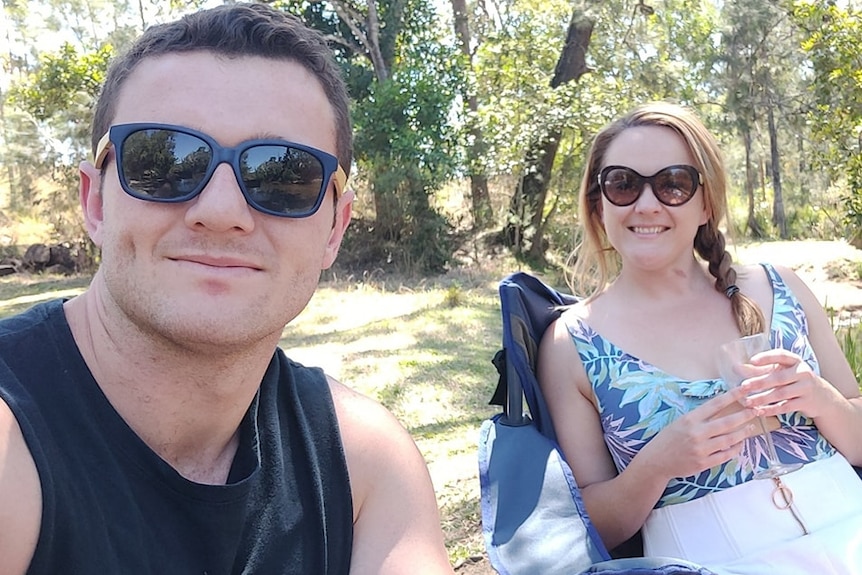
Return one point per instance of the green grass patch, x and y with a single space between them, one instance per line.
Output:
850 338
20 291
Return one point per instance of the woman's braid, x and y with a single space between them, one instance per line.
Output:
710 245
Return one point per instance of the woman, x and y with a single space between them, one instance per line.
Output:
654 438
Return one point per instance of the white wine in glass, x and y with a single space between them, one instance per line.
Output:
735 367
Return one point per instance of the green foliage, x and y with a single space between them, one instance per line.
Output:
850 338
817 217
402 124
60 78
47 130
454 296
810 222
407 146
851 343
832 36
513 65
853 210
406 142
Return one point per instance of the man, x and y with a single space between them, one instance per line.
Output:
150 425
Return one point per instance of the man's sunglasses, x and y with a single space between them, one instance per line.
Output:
672 186
164 163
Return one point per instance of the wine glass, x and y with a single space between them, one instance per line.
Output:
734 367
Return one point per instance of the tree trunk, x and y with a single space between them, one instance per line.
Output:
481 201
803 168
141 14
388 208
536 192
528 201
389 218
753 225
370 40
778 199
11 199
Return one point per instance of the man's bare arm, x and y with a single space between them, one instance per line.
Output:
396 520
20 498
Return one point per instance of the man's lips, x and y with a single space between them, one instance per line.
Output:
224 262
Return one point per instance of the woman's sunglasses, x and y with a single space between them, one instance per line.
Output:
672 186
164 163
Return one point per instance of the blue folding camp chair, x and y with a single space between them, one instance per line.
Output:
533 517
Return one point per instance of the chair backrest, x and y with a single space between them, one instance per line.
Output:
528 307
533 517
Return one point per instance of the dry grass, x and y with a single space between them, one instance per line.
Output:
20 291
424 351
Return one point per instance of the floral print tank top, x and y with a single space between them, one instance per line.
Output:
637 400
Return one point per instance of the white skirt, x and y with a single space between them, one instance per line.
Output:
742 531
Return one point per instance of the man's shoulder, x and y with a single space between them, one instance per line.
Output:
298 381
373 438
26 338
20 491
396 521
357 414
20 495
369 432
38 316
357 408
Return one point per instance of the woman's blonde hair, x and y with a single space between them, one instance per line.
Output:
596 262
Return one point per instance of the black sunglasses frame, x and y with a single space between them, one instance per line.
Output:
119 133
696 182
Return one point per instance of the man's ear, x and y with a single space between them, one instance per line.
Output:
90 196
343 210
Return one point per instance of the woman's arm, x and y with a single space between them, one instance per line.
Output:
832 399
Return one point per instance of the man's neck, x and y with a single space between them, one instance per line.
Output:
185 405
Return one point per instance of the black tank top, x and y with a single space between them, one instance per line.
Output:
112 506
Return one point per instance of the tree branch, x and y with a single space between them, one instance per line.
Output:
370 41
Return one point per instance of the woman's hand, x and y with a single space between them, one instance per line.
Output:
790 386
702 438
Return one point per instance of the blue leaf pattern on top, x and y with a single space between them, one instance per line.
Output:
637 400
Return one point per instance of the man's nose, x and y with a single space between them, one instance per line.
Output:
221 206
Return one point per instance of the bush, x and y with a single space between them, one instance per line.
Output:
850 338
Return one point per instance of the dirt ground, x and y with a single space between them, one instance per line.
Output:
832 270
475 566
